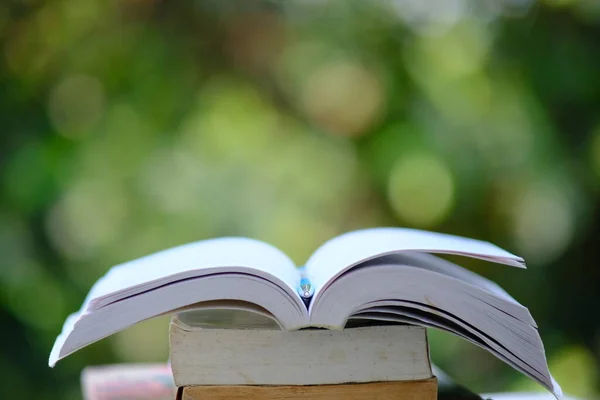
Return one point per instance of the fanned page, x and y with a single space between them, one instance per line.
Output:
388 275
225 268
345 251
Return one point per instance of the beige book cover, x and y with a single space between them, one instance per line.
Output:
214 356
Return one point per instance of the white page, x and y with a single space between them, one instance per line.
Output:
428 323
231 254
177 266
347 250
497 298
388 311
439 265
367 284
407 311
81 330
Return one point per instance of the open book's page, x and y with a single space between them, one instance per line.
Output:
228 268
347 250
455 299
231 254
439 265
425 315
80 330
400 315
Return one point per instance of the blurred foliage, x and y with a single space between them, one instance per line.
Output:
135 125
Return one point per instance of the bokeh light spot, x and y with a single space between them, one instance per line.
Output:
172 179
76 104
461 52
543 223
595 151
576 370
89 216
38 301
421 190
16 249
232 123
343 97
254 41
430 17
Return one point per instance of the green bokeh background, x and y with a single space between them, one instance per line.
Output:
129 126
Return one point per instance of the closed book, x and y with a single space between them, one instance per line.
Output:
213 356
407 390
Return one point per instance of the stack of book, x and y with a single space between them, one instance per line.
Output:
257 361
351 322
363 362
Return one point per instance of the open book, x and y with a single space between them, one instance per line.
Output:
379 274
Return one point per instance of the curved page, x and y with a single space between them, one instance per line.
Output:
82 330
424 314
343 252
229 254
145 277
506 322
433 320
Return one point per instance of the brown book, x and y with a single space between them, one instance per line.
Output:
403 390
